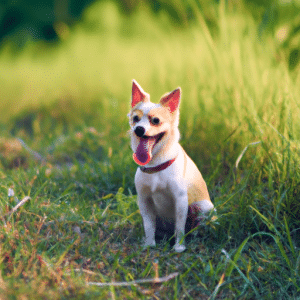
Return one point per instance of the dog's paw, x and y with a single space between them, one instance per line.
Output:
179 248
149 244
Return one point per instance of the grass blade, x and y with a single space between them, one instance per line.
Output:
241 273
289 236
265 220
214 294
281 249
243 152
236 256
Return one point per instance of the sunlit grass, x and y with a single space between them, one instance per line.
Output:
232 78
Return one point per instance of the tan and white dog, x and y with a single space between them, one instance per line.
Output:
168 183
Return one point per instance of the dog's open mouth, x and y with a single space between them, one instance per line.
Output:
143 153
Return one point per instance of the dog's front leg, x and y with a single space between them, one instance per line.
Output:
181 215
181 211
149 219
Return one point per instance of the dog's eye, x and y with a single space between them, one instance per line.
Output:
155 121
136 119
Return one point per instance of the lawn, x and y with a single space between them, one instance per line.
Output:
65 151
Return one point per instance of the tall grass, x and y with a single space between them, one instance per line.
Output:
231 79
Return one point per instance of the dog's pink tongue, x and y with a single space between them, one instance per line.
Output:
143 153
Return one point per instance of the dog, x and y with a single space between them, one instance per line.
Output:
169 185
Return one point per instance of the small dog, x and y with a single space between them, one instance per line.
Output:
168 183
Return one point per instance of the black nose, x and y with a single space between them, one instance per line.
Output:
140 131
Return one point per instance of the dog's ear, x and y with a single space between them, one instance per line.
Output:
138 94
171 100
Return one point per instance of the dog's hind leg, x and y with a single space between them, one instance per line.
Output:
205 206
197 212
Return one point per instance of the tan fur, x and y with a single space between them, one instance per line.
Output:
197 189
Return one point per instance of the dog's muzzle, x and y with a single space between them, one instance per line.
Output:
139 131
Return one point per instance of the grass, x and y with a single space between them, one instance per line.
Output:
69 103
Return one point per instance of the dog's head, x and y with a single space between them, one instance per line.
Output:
152 125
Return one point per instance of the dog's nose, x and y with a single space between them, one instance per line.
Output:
140 131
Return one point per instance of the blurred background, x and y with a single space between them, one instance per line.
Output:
68 49
66 65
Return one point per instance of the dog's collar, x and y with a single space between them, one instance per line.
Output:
158 168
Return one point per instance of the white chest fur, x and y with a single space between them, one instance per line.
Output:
158 191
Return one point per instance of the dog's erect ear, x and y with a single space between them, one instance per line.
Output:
138 94
171 100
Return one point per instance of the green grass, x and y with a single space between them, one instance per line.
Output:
70 102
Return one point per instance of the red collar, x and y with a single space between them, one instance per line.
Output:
158 168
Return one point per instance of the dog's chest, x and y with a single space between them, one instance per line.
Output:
157 188
156 183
